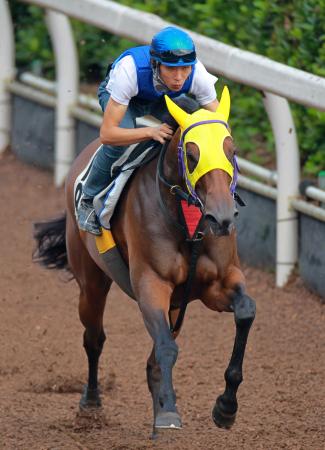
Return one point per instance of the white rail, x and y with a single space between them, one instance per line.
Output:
260 172
32 94
309 210
288 182
7 72
274 79
315 194
67 70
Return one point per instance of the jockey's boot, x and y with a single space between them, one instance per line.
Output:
86 217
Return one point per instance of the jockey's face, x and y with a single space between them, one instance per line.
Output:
174 77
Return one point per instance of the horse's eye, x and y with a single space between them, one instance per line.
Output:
192 160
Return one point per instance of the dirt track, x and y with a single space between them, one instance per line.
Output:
43 365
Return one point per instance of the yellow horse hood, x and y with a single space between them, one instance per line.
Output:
208 131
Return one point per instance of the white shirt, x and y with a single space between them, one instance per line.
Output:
123 85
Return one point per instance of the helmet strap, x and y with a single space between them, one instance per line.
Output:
158 83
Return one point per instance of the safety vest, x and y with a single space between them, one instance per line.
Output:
146 90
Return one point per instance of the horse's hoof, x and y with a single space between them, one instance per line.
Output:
154 436
90 399
221 418
170 420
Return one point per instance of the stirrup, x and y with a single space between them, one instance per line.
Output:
87 219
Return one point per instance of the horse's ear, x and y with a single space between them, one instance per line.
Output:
178 113
224 105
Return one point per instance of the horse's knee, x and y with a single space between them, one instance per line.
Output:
244 310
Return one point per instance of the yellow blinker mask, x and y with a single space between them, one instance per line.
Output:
208 131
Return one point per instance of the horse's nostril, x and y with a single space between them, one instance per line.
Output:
211 218
225 224
236 212
222 228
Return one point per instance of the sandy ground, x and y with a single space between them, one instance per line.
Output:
43 364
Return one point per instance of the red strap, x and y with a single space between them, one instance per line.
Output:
192 216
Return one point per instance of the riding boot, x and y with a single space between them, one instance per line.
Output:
99 178
87 218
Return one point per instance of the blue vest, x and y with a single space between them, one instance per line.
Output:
141 57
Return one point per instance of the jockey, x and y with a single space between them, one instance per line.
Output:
135 86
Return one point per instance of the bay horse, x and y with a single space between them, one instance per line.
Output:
158 254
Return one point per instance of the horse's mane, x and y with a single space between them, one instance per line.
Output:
188 104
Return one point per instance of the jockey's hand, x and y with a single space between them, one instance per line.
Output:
162 132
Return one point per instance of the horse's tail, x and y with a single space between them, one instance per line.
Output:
51 250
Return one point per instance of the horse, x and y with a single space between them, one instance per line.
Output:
197 169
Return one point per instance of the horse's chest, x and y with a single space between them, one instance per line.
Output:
206 270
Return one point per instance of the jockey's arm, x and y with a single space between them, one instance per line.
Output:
212 106
112 134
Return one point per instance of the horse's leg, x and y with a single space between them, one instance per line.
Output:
94 286
154 298
154 372
91 308
224 411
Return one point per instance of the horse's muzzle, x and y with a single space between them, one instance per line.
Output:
221 227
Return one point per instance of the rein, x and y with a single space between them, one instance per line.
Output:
174 189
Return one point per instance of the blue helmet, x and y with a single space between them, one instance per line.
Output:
173 47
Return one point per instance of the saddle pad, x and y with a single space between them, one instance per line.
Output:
106 201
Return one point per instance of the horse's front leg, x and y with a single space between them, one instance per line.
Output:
224 411
154 372
154 298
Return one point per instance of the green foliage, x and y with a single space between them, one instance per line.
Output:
33 46
291 32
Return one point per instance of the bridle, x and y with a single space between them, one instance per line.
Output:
191 197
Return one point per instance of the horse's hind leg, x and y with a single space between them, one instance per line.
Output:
94 286
224 411
91 308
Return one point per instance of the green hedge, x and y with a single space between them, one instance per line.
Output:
291 31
